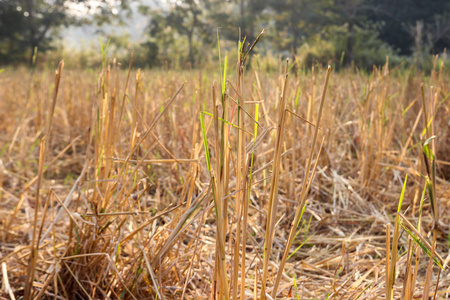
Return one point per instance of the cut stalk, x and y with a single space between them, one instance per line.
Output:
305 189
273 203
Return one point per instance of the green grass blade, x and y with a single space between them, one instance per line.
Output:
429 186
225 121
360 294
301 245
424 248
296 288
205 143
224 79
426 148
402 194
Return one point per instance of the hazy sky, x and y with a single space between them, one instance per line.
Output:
75 37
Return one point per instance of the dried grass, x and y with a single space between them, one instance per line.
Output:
108 193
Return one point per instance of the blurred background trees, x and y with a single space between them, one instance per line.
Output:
26 25
182 33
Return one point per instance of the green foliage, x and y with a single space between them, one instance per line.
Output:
295 22
25 25
146 55
342 33
417 240
338 32
401 16
179 33
29 24
402 195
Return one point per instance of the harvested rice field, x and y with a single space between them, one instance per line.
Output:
228 183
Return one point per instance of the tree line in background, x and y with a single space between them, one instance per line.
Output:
183 33
28 25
